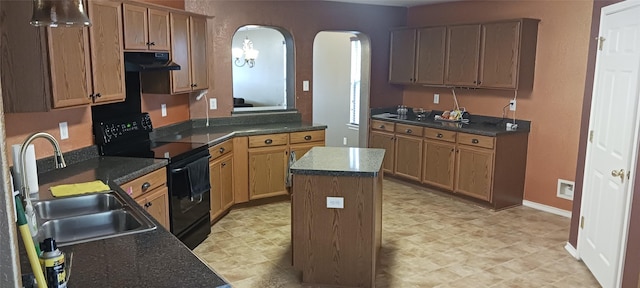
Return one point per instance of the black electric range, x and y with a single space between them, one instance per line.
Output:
187 171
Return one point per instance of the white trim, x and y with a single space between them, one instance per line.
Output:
547 208
572 251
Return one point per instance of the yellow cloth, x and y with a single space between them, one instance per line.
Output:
78 188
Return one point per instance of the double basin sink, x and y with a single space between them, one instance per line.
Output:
89 217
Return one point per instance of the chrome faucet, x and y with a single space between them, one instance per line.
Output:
58 158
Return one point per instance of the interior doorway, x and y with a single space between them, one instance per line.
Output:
341 73
613 144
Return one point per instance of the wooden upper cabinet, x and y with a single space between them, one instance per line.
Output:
463 52
107 56
199 64
508 54
145 28
69 62
430 55
402 61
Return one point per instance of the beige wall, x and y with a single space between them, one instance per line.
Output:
553 106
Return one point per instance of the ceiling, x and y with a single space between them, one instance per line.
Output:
405 3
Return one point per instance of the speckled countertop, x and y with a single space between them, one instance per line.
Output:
213 135
481 125
150 259
340 161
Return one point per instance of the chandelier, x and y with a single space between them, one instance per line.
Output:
247 53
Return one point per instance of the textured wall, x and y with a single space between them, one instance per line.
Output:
303 19
554 105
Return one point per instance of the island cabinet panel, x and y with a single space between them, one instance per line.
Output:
318 231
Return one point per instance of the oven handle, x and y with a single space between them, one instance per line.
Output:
176 170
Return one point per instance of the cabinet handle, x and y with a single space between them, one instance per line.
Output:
381 126
475 141
98 95
148 204
439 135
145 186
268 141
474 82
409 131
452 149
479 82
308 137
194 85
221 150
223 164
151 43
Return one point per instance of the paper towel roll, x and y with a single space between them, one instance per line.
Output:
30 163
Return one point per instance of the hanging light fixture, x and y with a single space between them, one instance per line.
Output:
59 13
247 52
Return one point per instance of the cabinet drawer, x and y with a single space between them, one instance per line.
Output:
438 134
306 136
475 140
146 183
268 140
409 130
220 149
382 125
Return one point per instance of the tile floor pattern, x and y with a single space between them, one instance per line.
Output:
428 240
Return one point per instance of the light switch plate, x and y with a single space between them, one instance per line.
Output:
163 107
335 202
64 130
305 85
213 104
436 98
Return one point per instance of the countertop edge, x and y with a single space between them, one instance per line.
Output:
450 128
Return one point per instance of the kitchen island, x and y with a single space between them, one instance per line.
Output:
336 210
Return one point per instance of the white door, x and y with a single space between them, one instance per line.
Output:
612 148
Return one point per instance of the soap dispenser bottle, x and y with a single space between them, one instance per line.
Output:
52 261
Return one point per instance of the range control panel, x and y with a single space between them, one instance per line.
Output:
123 128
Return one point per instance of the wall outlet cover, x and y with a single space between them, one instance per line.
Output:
163 108
305 85
436 98
64 130
512 105
213 104
335 202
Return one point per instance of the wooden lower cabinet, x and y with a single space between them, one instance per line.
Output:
152 193
267 171
301 149
157 205
384 141
408 161
474 172
221 178
439 162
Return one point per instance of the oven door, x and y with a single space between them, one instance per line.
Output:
186 211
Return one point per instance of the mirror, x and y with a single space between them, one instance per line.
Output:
262 67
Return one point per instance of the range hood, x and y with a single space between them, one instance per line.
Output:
148 61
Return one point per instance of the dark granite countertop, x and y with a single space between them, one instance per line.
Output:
150 259
213 135
340 161
481 125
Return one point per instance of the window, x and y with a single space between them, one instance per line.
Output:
354 103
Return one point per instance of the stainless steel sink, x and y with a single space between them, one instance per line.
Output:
79 205
90 217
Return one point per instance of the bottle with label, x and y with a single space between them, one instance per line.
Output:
52 261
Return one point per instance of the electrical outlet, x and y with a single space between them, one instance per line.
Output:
213 104
436 98
512 105
163 108
344 141
335 202
305 85
64 130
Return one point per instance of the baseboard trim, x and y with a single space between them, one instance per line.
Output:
572 250
546 208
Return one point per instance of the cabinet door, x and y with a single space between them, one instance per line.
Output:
385 141
474 170
156 203
267 171
107 57
199 64
301 149
69 60
438 159
430 54
135 27
408 157
401 64
180 79
216 188
463 47
226 182
499 59
159 30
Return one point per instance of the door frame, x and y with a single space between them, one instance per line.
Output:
633 163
